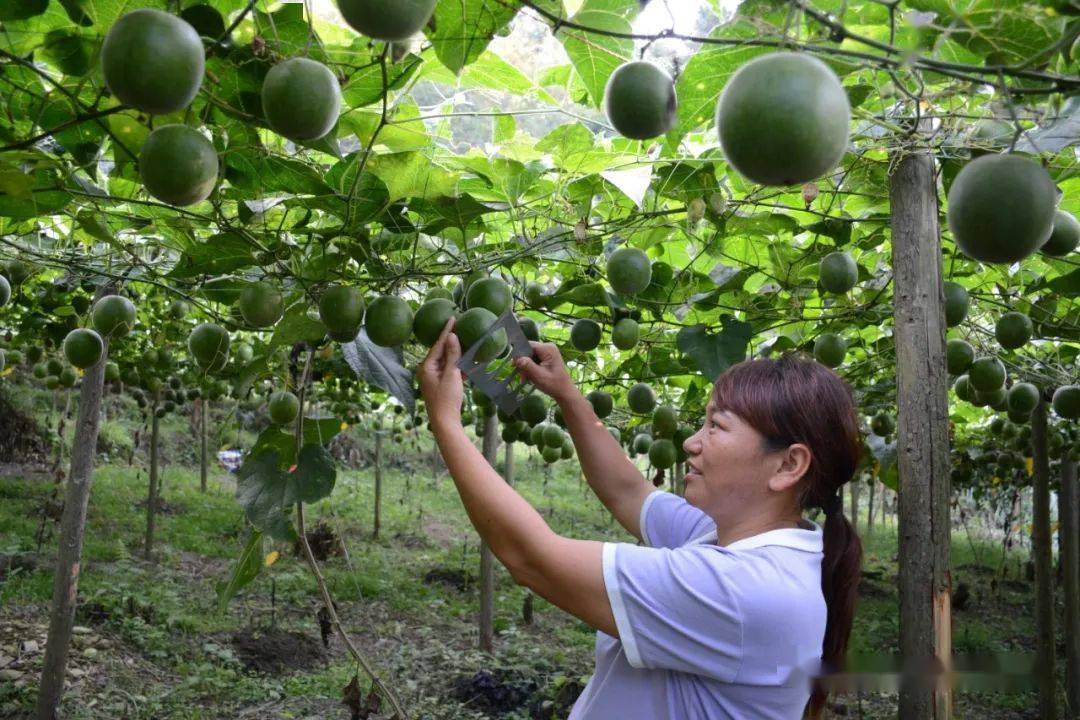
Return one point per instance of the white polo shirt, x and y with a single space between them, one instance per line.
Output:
707 632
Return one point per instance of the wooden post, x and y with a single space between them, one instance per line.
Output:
487 560
69 550
378 484
204 460
922 434
1042 556
1069 517
152 495
870 506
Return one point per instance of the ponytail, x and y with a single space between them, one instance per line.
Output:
841 569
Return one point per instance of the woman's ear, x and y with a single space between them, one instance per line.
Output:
794 462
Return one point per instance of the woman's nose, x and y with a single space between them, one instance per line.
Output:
692 444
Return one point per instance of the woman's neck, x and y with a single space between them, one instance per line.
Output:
731 532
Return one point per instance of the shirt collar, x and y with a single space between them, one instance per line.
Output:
794 538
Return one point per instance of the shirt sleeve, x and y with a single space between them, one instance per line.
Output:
667 520
676 609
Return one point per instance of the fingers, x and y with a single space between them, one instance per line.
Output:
453 347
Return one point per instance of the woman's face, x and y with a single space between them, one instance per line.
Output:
729 466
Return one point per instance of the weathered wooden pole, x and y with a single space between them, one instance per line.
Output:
1042 555
922 437
204 459
490 447
378 484
69 551
152 495
1069 517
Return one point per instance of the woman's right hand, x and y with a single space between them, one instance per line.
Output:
547 371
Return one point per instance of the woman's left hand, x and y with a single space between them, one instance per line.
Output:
441 381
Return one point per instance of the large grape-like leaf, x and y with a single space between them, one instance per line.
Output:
382 367
463 28
596 56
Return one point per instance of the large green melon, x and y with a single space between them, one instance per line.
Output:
830 349
114 316
261 304
1001 208
153 61
387 19
469 328
283 407
5 291
1013 330
389 321
629 270
838 272
301 99
957 302
431 318
209 346
341 309
639 100
783 119
178 165
1066 402
1065 236
83 348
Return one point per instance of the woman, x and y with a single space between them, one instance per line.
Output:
733 602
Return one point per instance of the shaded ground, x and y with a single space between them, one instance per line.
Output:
150 645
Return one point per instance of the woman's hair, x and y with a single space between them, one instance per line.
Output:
793 399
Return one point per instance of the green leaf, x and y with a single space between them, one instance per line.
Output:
712 354
596 56
315 474
221 253
463 29
412 174
248 566
267 492
297 326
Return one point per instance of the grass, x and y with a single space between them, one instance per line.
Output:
421 635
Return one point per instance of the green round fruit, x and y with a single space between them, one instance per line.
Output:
83 348
341 309
261 304
567 448
956 303
882 425
553 436
509 434
665 421
491 294
178 165
112 372
535 295
389 321
438 292
639 100
536 435
52 382
1001 208
602 403
551 454
615 433
986 374
301 99
34 353
5 291
783 118
387 19
40 371
641 444
830 349
469 328
67 377
431 318
682 434
1013 330
17 271
529 329
625 334
629 270
1063 239
1023 398
114 316
641 399
838 272
244 353
585 335
958 356
54 366
283 407
153 61
209 346
662 453
178 309
533 409
1066 401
